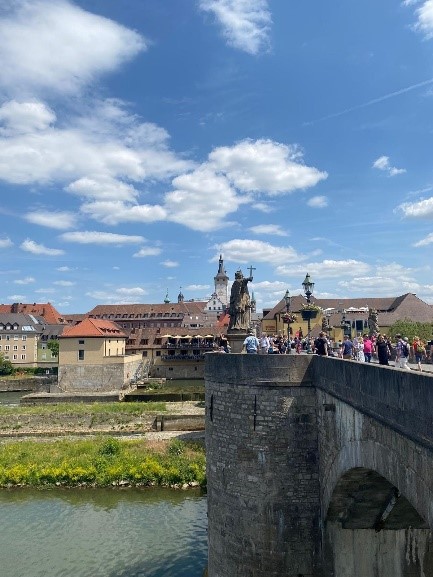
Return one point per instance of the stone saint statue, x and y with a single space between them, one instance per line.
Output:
240 303
373 325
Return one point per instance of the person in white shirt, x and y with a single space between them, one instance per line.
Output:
264 344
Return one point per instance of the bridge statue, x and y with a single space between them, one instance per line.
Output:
240 303
373 322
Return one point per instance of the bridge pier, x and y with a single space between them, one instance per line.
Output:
263 476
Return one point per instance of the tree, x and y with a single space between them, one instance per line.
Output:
53 345
409 329
6 367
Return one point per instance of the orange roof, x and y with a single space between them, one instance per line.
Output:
94 328
45 310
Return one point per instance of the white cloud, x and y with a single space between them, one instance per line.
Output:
22 117
45 291
59 47
115 212
425 241
64 283
92 152
63 269
265 166
425 18
197 287
420 209
133 291
35 248
103 188
5 243
53 219
382 163
326 269
147 251
116 296
318 202
17 298
170 263
27 280
202 192
101 238
245 23
246 251
272 229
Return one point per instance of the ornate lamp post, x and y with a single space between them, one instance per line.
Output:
287 300
308 290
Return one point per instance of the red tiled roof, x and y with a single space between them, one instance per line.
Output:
94 328
45 310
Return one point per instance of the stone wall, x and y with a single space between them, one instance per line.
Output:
263 486
112 376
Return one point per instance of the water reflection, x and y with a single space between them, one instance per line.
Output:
103 533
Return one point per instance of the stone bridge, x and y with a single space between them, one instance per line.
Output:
318 467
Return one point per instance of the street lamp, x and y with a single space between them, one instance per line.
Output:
287 300
308 290
308 287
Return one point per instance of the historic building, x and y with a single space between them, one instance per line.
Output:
338 316
92 357
24 338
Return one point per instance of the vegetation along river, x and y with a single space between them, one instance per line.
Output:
102 533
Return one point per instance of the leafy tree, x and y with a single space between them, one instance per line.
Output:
53 345
6 367
409 329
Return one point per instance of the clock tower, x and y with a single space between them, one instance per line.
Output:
221 283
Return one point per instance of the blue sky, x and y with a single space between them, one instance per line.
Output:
141 139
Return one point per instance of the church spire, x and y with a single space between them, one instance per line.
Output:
180 297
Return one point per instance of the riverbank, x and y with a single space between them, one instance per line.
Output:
102 462
81 419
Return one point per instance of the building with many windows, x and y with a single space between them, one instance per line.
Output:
20 339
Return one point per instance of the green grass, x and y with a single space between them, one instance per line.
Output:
100 462
86 409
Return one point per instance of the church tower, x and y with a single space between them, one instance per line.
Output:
221 283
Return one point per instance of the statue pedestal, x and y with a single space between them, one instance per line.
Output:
236 340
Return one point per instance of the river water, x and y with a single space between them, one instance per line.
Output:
102 533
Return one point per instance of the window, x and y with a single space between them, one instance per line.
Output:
16 337
15 347
15 357
81 355
8 337
24 337
7 347
23 348
158 353
81 342
23 357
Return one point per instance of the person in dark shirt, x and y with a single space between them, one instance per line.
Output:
321 345
346 348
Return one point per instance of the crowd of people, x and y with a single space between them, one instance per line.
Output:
362 348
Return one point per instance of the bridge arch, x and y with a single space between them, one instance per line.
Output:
376 495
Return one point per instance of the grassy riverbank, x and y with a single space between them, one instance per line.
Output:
70 418
101 462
